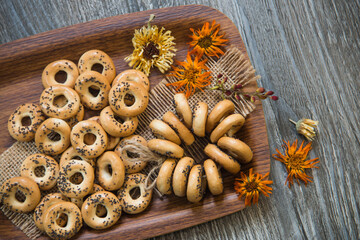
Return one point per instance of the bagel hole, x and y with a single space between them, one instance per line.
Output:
76 158
61 76
129 99
76 178
39 171
101 211
62 220
119 119
132 154
54 136
20 196
89 138
94 90
135 193
26 121
97 67
60 101
109 169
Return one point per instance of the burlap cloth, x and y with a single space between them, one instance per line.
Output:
232 65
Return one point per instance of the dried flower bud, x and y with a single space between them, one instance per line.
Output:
238 86
275 98
262 96
219 75
269 93
225 80
219 82
247 97
237 96
306 127
227 92
215 87
260 90
253 99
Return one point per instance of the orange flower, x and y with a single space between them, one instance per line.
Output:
192 75
295 162
251 186
207 40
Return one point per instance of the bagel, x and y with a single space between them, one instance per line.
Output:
179 127
227 162
110 171
164 178
163 130
213 176
231 124
133 75
180 176
196 184
183 109
236 148
48 75
221 110
112 141
200 117
166 148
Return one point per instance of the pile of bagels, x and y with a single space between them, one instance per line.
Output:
184 177
94 183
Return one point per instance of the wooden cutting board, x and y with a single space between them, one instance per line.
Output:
21 65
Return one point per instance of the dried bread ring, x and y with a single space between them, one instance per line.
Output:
92 57
68 108
166 148
50 166
213 176
110 179
196 184
200 117
118 94
133 75
88 150
227 162
180 176
44 204
179 127
74 220
72 154
70 189
130 205
236 148
48 75
183 109
112 141
131 166
112 125
107 200
27 187
77 118
164 178
89 81
20 131
53 136
79 201
221 110
231 123
162 130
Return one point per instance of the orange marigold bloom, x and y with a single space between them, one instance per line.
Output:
192 75
207 40
295 162
251 186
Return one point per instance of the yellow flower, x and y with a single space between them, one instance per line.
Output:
306 127
207 40
192 75
152 48
251 186
295 162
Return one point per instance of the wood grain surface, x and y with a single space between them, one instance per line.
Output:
308 52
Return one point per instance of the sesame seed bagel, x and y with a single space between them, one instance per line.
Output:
221 110
112 125
44 137
112 141
200 117
236 148
51 170
162 130
227 162
107 200
130 205
180 176
27 187
92 57
133 75
70 68
114 179
77 118
117 98
44 204
88 150
72 190
213 176
196 184
232 124
66 109
131 166
179 127
74 220
166 148
93 80
183 109
72 154
17 129
163 180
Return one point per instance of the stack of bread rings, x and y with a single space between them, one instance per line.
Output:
94 184
181 174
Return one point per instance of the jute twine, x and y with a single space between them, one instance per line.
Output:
232 65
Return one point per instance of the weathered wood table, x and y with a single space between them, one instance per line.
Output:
309 54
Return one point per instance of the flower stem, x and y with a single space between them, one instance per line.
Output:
292 121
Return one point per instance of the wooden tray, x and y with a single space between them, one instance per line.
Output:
22 62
